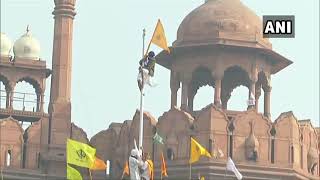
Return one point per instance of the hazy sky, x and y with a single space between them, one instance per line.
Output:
107 47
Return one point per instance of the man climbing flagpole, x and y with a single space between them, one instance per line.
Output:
141 94
146 69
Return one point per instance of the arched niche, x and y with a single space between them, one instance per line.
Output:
179 124
32 146
12 143
287 139
211 129
243 123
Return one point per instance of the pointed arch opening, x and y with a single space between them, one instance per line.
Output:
201 89
9 158
3 96
26 96
235 85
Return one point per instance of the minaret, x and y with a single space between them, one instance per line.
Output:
60 97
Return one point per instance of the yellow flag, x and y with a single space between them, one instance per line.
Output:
73 174
159 38
80 154
150 164
202 178
196 151
98 165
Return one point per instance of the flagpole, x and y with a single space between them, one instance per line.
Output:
141 95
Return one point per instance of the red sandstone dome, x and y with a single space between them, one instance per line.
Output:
221 21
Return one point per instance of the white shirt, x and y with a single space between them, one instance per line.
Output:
134 168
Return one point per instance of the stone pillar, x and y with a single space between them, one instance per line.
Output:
191 95
174 86
217 92
42 102
257 96
38 101
224 99
252 90
217 76
267 96
8 98
184 92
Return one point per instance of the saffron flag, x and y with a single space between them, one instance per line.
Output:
126 169
157 139
233 168
163 166
80 154
196 151
159 37
98 165
73 174
151 173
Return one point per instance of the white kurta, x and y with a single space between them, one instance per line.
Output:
134 165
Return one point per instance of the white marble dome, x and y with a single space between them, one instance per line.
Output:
27 47
6 45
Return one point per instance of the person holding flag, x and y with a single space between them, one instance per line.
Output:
147 67
148 62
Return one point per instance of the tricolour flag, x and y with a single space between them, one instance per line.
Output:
98 165
157 139
159 37
196 151
73 174
231 167
163 166
80 154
